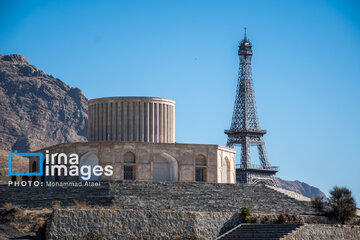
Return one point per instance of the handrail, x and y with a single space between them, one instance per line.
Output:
229 231
255 166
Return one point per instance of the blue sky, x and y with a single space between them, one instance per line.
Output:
306 68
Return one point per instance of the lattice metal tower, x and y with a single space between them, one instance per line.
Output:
245 128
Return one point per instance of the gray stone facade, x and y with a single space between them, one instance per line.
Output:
176 196
169 224
218 162
138 224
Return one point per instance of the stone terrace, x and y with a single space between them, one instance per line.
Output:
172 196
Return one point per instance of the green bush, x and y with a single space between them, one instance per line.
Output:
245 215
342 205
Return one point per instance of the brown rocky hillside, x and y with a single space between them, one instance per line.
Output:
301 188
36 109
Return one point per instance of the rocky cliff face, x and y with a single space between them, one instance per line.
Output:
301 188
36 109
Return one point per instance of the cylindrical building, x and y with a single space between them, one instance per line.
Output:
138 119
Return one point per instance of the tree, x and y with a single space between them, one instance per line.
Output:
318 204
342 205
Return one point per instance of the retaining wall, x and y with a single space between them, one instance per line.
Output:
148 195
138 224
325 232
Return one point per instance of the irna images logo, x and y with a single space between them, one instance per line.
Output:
61 164
15 153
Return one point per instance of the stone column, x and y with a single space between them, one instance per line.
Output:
105 118
130 121
101 121
113 121
147 122
97 122
124 122
109 125
156 123
173 123
165 123
141 121
136 121
161 124
119 121
152 120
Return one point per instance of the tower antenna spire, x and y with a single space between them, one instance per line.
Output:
245 33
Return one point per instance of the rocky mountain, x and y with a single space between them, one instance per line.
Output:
301 188
36 109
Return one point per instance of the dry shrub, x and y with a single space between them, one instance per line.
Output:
357 222
282 219
295 219
288 218
266 220
41 223
255 220
80 205
17 212
9 206
56 204
318 204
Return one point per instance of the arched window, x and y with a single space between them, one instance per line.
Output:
226 173
200 168
129 157
165 168
200 160
129 166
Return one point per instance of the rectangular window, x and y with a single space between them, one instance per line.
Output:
200 174
128 172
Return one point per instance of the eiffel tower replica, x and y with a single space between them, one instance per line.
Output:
245 128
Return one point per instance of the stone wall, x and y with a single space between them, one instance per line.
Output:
170 224
138 224
325 232
174 196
